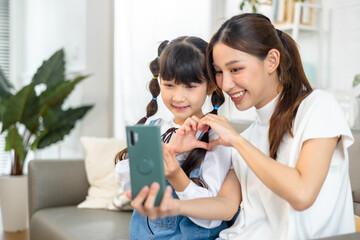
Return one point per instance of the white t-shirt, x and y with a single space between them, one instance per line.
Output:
265 215
213 171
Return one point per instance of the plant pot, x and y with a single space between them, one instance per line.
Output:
14 203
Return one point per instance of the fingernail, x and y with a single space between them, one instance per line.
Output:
155 185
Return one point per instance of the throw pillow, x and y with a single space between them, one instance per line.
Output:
100 170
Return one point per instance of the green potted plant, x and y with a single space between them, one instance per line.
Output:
33 118
356 80
250 3
35 121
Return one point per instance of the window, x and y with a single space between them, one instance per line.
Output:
5 66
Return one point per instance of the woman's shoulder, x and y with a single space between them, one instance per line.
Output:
319 96
320 115
319 100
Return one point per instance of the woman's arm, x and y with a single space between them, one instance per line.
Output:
222 207
299 186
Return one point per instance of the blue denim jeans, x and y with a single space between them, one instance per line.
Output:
174 228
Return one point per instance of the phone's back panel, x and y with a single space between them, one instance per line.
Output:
146 159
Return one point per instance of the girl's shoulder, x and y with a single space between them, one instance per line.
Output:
157 121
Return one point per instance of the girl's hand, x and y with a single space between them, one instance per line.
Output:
173 171
185 138
171 163
144 202
227 134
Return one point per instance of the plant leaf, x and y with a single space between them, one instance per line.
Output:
5 86
21 107
64 123
52 70
14 141
55 95
356 80
254 9
242 5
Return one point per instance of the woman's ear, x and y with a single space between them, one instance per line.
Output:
272 60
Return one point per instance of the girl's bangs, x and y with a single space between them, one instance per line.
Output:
183 65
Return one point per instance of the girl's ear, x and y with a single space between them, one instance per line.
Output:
211 87
272 60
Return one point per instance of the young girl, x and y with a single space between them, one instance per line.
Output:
184 85
290 167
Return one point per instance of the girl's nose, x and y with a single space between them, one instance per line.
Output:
179 94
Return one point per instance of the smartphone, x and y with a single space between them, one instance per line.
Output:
146 158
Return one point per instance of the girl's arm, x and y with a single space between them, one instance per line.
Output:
184 140
222 207
299 186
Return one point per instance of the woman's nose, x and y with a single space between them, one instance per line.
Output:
227 82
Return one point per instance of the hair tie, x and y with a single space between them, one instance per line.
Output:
157 57
154 98
279 33
216 108
154 77
146 117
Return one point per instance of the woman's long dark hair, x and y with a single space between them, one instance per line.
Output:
184 61
254 34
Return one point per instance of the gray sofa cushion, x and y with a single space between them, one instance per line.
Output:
354 168
71 223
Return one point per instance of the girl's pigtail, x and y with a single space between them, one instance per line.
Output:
197 155
154 88
217 99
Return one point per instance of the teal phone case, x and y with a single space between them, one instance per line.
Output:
146 158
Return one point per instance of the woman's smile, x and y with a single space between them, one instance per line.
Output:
238 96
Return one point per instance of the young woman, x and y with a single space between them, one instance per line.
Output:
184 86
290 167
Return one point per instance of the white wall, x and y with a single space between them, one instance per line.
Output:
344 43
84 28
140 25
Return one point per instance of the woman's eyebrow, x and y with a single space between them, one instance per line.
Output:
228 63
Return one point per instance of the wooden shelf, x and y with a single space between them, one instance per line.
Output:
290 26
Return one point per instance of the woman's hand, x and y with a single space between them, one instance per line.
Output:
185 138
227 134
144 202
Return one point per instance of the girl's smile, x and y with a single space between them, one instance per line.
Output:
180 108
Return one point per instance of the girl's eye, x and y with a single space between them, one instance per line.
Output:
217 72
168 85
191 86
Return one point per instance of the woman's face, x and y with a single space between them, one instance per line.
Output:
244 77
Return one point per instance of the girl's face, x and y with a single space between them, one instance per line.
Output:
182 100
245 78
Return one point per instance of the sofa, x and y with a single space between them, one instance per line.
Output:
57 186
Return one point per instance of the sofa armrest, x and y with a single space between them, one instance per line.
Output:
55 183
